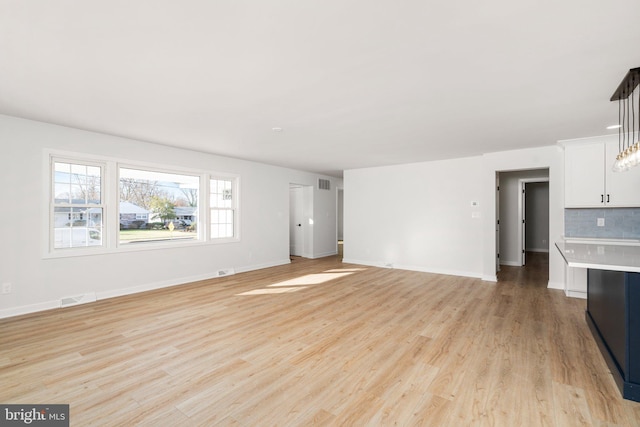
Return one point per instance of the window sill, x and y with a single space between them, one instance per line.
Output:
133 247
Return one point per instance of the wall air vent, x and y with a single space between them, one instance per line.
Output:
324 184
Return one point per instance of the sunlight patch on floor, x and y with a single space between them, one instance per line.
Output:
265 291
302 282
311 279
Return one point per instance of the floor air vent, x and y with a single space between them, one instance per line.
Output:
80 299
324 184
225 272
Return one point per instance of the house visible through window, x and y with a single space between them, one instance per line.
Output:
77 205
157 206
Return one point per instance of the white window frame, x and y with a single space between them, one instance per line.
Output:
52 205
110 202
200 237
235 208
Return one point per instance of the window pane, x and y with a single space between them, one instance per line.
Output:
75 222
221 201
222 223
157 206
78 169
62 167
93 171
77 197
77 184
62 193
77 227
221 193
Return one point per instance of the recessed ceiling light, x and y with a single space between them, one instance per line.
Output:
614 127
277 129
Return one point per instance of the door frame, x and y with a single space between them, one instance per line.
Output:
497 223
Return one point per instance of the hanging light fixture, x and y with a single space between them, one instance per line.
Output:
628 137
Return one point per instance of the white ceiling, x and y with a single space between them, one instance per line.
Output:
352 83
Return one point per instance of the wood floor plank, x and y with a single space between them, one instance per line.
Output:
571 406
344 345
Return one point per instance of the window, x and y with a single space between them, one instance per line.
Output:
222 202
78 208
99 205
153 205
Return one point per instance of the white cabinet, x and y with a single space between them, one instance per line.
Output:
623 187
584 166
590 182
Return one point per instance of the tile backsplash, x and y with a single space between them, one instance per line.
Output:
619 223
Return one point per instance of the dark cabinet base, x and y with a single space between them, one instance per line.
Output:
630 391
613 315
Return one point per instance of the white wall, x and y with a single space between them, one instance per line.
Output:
39 283
510 221
416 216
419 216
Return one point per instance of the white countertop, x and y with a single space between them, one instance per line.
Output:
602 255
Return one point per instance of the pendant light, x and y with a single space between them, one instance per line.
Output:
628 138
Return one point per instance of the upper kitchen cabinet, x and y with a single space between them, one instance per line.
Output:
590 181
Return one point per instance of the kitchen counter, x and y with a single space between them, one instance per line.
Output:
602 255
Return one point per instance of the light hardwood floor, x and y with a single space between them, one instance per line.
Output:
319 342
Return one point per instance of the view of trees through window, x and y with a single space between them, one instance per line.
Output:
157 206
151 205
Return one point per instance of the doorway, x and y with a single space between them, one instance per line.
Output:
533 208
516 219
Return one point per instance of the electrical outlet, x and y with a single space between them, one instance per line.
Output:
600 222
6 288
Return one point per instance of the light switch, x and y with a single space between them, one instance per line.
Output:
600 222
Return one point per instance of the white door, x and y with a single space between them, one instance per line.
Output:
296 236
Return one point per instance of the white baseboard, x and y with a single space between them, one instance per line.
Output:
542 250
511 263
48 305
184 280
415 268
323 254
261 266
575 294
488 278
555 285
27 309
